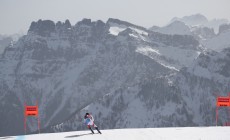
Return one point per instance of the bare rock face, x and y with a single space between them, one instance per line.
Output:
42 27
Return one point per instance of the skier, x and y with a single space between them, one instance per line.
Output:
89 121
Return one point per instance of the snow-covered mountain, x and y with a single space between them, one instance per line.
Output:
201 20
202 82
192 20
66 67
184 98
180 28
188 133
214 37
126 75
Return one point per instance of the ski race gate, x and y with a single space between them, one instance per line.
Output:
33 112
222 101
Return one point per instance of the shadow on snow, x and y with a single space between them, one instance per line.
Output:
73 136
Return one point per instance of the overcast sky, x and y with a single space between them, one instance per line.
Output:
16 15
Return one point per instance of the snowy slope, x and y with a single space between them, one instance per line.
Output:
164 55
189 133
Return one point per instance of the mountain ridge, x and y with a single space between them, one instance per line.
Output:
109 69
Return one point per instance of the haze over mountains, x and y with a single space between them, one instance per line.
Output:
128 76
201 20
5 40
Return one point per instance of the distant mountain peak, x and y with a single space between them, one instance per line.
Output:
196 16
176 27
196 19
201 20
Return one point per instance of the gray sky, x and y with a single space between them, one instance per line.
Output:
16 15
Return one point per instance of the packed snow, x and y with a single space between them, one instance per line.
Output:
179 133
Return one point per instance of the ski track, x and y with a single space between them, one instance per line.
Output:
176 133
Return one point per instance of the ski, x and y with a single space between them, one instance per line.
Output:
98 130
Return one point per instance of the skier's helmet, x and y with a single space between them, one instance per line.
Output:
86 115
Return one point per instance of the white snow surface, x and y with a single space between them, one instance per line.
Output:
179 133
116 30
